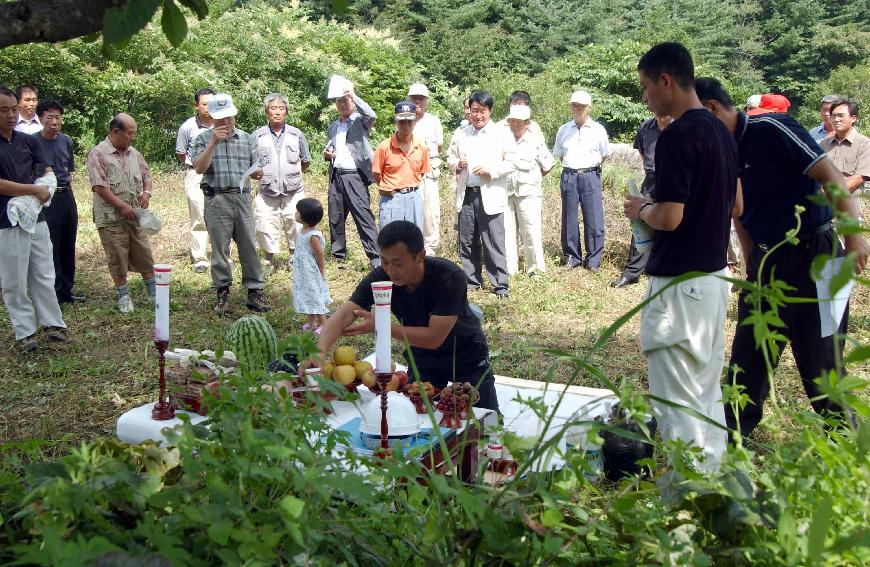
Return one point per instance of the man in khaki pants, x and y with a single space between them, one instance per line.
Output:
193 127
428 128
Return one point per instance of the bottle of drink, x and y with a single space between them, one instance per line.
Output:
642 233
494 449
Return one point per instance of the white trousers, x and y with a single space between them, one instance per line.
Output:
270 213
431 212
523 215
682 334
26 262
196 208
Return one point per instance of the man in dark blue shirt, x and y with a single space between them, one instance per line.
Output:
781 167
63 214
25 255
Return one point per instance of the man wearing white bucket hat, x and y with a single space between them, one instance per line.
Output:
531 160
429 129
581 144
349 154
224 155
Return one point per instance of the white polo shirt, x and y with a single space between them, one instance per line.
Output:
581 147
32 126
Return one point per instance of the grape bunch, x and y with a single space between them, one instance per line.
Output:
457 397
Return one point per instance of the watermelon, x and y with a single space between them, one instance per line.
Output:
253 340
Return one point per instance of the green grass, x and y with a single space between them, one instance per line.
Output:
80 389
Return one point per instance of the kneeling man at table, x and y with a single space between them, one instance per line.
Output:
445 337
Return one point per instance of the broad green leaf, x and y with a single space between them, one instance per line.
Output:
123 22
819 529
198 7
219 532
858 354
551 518
292 506
173 23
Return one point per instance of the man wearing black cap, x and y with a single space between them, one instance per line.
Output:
782 168
399 164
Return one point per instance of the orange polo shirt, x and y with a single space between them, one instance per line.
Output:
398 169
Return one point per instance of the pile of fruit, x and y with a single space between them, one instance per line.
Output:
413 389
346 369
456 398
397 383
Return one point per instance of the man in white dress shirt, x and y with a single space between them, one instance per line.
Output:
581 144
429 129
477 155
28 121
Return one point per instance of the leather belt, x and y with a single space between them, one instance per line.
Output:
404 190
63 188
583 169
343 170
801 236
229 190
473 189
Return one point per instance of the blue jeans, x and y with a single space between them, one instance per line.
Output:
401 206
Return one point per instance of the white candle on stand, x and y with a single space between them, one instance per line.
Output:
161 302
383 294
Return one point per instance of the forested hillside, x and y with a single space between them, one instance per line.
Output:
801 48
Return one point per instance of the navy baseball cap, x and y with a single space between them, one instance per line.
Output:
406 110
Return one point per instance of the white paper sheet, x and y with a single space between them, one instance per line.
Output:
246 175
831 309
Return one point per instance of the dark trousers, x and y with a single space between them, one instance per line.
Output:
636 263
813 354
62 218
583 189
348 194
481 234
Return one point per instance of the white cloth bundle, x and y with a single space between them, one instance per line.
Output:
24 210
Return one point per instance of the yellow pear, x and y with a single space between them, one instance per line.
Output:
369 379
327 369
344 374
344 355
361 367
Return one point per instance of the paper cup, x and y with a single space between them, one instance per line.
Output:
383 292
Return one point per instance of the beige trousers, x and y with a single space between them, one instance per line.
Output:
271 213
683 336
196 208
431 212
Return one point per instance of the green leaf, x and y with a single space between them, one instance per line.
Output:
863 440
819 529
292 506
219 532
339 7
198 7
842 277
551 518
858 354
123 22
861 538
173 23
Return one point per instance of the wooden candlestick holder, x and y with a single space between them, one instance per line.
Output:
162 410
384 379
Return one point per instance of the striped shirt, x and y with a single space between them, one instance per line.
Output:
232 158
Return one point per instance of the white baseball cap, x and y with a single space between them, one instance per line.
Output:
519 112
581 97
754 101
418 89
221 106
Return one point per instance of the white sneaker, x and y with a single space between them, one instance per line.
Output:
125 304
200 267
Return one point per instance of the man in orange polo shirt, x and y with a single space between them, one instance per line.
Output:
398 167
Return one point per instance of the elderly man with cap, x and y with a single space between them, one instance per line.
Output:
531 160
224 155
285 157
349 154
477 155
121 181
399 164
753 102
826 128
581 144
522 98
428 128
848 148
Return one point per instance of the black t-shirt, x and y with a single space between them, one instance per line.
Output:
696 164
443 291
59 154
22 161
775 155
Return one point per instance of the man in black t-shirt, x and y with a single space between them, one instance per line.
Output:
782 166
429 300
682 326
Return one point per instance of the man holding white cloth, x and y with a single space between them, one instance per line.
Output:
531 160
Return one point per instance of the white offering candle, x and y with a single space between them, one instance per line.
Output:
161 302
383 293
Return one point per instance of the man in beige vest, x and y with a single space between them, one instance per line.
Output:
284 156
121 181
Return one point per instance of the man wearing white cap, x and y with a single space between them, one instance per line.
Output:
581 144
753 102
349 154
531 160
428 129
222 156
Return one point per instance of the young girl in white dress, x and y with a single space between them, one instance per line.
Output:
310 290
